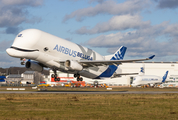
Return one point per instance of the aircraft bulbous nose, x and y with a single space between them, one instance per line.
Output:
133 85
10 51
14 53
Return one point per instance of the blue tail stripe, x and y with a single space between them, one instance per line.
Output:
109 71
119 55
142 70
165 76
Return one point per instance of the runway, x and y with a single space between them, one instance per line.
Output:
88 92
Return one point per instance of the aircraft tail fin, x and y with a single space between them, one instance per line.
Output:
142 70
119 54
165 76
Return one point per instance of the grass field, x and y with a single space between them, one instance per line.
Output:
91 89
88 106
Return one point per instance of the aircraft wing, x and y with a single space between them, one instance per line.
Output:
87 63
120 74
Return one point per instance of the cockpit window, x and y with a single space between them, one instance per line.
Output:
46 49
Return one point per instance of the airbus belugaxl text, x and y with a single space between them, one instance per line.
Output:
49 51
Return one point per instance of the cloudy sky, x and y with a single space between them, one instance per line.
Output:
145 27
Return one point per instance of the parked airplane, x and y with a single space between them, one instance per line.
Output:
58 54
150 80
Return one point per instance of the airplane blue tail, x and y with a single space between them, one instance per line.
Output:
119 54
165 76
142 70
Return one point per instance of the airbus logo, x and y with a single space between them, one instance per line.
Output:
142 70
71 52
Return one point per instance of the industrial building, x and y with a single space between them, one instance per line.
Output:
151 68
14 78
28 77
31 77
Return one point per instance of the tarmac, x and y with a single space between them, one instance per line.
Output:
88 92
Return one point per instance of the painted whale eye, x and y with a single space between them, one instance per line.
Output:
46 49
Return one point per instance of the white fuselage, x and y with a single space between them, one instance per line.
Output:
50 50
146 80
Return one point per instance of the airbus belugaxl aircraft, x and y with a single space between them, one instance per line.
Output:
47 50
150 80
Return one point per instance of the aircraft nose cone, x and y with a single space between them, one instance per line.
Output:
132 85
10 51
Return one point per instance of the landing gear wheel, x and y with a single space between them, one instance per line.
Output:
76 75
52 75
55 76
79 79
56 79
22 63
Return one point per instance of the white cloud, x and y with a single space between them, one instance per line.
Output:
172 30
14 12
109 7
8 18
141 42
22 2
121 22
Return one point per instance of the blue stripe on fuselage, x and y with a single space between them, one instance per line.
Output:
108 72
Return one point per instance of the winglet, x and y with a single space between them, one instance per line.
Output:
151 57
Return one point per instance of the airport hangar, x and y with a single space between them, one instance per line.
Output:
151 68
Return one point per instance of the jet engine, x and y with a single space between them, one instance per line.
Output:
34 66
74 65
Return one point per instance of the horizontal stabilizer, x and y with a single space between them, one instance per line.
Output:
120 74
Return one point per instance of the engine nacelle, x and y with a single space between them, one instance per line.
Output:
34 66
74 65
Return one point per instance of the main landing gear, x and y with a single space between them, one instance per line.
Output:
78 77
55 76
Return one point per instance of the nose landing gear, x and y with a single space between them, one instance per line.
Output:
78 77
22 61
